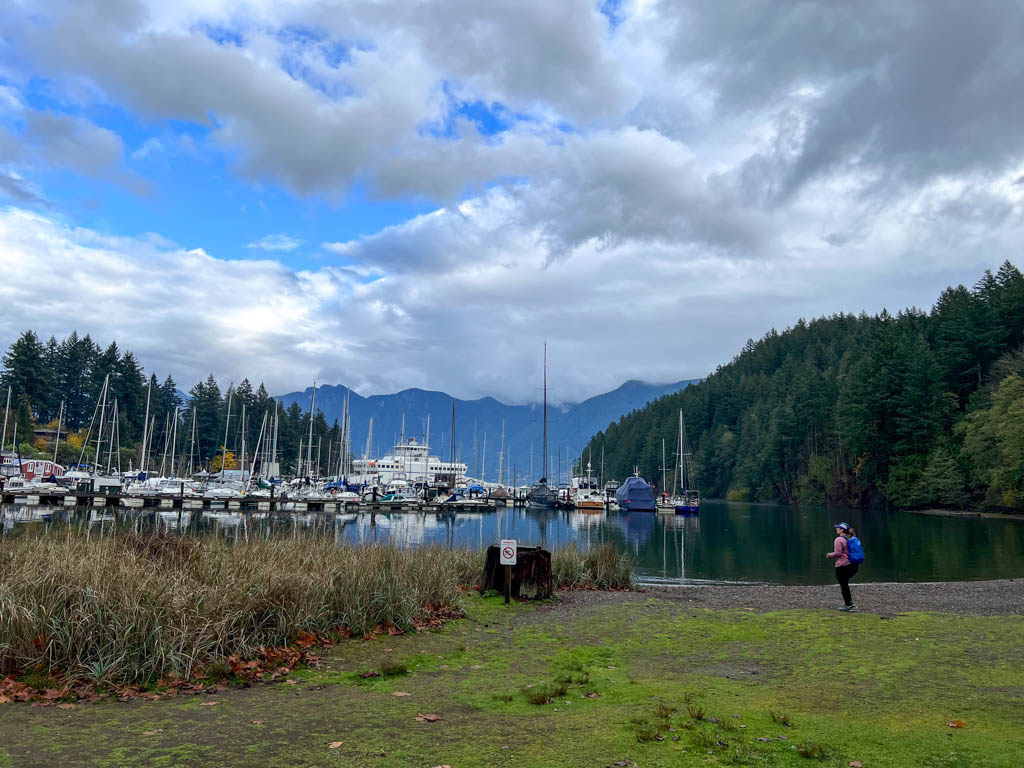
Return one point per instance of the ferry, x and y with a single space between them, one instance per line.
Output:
412 462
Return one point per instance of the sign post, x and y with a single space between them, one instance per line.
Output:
508 559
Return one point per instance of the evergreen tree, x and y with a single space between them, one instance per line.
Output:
26 373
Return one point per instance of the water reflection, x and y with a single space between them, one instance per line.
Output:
728 542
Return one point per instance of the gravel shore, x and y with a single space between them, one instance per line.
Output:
1004 597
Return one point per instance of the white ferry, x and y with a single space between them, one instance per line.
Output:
411 461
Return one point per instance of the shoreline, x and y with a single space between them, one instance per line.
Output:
964 513
994 597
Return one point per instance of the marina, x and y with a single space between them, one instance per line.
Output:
728 543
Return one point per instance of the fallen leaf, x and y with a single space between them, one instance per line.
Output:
443 766
291 682
208 704
590 695
957 724
5 699
854 764
429 718
65 705
402 693
371 673
257 722
335 744
149 733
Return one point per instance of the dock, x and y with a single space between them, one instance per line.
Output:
241 504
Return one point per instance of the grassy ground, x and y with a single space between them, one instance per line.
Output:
620 679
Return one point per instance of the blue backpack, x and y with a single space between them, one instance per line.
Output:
854 550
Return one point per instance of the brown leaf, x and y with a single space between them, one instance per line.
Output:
149 733
443 766
66 705
257 722
591 695
957 724
5 699
429 718
335 744
393 630
208 704
402 693
305 639
854 764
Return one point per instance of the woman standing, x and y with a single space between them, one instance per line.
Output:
845 570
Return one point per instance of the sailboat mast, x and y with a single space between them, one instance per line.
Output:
309 440
145 427
110 451
7 416
192 443
243 441
227 423
545 400
103 413
60 417
174 444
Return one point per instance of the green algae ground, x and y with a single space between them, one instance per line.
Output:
623 679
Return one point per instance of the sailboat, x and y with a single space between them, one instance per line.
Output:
542 495
688 500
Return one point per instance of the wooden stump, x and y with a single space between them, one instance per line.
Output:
531 575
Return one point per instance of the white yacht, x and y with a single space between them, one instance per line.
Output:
411 461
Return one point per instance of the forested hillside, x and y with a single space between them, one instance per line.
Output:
42 375
914 409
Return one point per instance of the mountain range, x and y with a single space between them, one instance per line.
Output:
479 423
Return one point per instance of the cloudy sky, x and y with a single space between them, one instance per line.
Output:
391 194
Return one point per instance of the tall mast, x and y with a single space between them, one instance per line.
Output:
501 456
7 416
403 427
174 443
369 440
110 451
483 461
60 417
309 442
663 488
243 440
227 422
167 442
545 399
145 427
192 442
103 413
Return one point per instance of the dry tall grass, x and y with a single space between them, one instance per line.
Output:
602 567
131 609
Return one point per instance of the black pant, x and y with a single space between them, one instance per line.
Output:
843 575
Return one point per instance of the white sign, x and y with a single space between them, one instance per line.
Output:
508 552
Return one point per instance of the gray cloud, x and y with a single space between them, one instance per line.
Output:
713 169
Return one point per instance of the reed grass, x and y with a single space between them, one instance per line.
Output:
131 609
602 567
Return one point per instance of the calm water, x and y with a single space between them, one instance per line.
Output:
727 542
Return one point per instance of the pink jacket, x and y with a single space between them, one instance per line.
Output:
840 552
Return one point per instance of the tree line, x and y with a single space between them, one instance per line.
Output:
915 409
44 375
